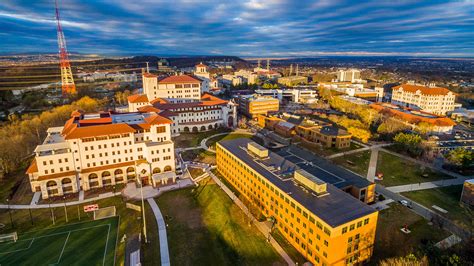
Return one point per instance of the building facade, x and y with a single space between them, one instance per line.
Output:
202 73
178 88
351 75
209 113
326 225
291 95
103 149
254 105
430 99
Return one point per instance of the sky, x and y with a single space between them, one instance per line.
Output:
250 28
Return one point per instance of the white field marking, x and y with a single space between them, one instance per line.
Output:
17 250
314 165
64 246
106 244
55 234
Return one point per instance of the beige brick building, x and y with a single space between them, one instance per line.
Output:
431 99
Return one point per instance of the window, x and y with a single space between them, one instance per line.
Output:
359 224
352 227
366 221
160 129
344 230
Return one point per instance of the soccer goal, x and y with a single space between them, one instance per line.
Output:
103 213
9 237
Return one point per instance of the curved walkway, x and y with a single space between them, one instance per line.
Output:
164 252
238 131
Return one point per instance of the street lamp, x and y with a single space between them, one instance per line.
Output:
143 210
52 212
65 210
10 214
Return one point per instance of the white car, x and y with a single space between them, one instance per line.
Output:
405 203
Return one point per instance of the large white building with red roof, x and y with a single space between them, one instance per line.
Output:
208 113
177 88
103 149
435 100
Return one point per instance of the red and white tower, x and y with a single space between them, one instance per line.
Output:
67 81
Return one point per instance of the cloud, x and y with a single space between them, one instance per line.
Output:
251 27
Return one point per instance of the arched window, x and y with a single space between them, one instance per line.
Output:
167 168
105 174
156 170
66 181
118 172
51 183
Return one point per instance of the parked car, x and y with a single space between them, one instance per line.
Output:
405 203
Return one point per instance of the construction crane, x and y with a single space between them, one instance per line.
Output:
67 81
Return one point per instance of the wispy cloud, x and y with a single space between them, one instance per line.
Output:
248 27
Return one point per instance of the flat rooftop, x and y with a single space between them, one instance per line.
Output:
335 208
323 169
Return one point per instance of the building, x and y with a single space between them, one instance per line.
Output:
433 123
103 149
202 73
328 135
254 105
178 88
463 115
429 99
207 114
290 95
292 80
326 225
136 101
467 195
351 75
164 67
310 130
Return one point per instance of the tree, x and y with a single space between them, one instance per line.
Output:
391 126
409 260
409 143
460 157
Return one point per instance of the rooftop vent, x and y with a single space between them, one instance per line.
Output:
311 182
258 150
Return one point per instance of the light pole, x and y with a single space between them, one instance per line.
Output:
52 212
10 214
65 210
143 210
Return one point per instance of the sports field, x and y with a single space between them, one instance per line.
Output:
86 243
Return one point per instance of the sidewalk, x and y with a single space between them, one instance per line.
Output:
427 185
164 252
374 156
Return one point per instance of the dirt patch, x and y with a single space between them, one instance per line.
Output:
185 212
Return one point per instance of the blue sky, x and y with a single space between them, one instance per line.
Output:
244 28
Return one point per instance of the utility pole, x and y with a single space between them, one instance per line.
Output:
65 210
143 210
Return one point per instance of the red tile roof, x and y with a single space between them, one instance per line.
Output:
33 168
138 98
148 75
97 121
101 130
423 89
157 120
201 65
179 79
406 115
159 100
168 113
148 109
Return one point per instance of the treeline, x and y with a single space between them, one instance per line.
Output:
20 136
365 123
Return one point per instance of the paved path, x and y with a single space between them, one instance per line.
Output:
264 228
164 252
365 148
35 198
427 185
133 191
448 242
374 155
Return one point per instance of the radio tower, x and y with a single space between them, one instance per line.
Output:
67 81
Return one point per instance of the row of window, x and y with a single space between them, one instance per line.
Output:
105 137
61 169
59 161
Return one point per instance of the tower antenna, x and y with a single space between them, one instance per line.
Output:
67 80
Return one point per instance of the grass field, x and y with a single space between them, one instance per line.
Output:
448 199
357 162
211 143
391 242
86 243
186 140
209 229
398 171
199 155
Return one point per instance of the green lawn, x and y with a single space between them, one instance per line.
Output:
391 242
130 223
91 243
448 199
185 140
399 171
357 162
211 143
16 187
209 229
199 155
